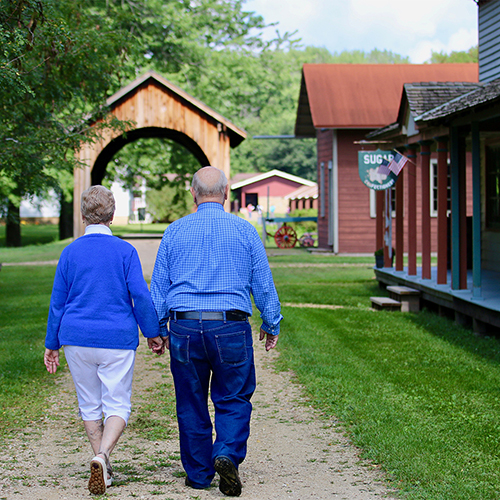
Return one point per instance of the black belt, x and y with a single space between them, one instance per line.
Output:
211 316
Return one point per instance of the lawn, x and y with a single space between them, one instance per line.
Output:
418 394
24 384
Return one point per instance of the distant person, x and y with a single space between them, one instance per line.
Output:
250 209
98 299
208 265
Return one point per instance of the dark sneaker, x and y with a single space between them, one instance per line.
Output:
230 484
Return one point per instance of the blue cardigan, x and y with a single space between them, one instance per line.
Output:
100 296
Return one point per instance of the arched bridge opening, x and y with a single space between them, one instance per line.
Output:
158 109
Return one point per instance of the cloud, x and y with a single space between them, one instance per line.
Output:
406 27
462 40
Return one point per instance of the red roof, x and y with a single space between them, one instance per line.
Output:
364 95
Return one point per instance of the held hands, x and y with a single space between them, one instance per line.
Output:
271 340
157 345
51 360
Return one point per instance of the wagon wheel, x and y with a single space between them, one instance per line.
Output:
285 237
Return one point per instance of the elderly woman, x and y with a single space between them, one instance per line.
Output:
98 299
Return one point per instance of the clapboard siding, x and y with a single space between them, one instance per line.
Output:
356 227
489 39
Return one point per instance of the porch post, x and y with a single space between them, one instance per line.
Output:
458 213
411 168
379 210
476 213
442 219
425 160
400 236
463 212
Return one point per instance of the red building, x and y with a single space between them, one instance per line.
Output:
340 104
268 189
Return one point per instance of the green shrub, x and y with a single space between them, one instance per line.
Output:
306 226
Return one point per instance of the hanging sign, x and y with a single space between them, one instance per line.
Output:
368 167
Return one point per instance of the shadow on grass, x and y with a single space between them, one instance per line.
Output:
485 346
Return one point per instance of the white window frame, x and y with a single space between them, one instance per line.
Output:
434 189
373 202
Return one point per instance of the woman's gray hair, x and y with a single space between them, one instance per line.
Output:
205 186
98 205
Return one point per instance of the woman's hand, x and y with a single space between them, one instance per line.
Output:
156 345
51 360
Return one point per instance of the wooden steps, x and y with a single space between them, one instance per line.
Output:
385 303
402 298
409 297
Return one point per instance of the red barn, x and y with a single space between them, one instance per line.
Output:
340 104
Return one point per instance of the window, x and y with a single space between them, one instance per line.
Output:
322 189
373 202
251 199
434 189
493 187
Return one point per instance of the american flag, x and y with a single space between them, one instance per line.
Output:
384 168
397 163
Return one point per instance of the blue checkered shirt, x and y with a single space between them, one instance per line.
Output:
213 261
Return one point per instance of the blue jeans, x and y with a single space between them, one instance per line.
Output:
216 355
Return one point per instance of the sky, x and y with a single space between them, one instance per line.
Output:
412 28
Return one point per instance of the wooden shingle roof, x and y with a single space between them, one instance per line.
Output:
420 97
423 96
482 97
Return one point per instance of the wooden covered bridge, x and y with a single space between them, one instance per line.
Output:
158 109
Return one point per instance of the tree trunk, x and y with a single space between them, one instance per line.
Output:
13 227
65 218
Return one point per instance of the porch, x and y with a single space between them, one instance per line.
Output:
481 313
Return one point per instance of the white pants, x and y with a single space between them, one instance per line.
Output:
103 380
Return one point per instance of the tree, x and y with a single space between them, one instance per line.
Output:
264 89
168 204
55 67
465 56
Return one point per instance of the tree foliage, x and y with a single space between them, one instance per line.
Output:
168 203
464 56
55 67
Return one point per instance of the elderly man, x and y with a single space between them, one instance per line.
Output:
208 265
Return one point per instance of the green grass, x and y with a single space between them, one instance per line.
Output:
155 418
156 229
419 394
24 381
33 253
34 234
41 234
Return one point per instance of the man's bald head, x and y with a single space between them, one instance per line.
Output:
209 184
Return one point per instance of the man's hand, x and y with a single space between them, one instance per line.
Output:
271 340
51 360
156 345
